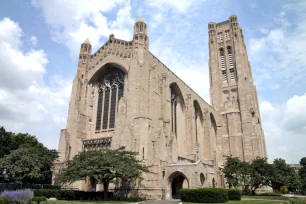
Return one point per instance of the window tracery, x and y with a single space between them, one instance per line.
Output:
110 91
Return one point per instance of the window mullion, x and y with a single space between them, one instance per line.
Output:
102 109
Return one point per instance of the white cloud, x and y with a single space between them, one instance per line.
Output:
179 5
26 102
74 21
33 40
285 128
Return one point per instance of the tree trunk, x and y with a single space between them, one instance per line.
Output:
105 189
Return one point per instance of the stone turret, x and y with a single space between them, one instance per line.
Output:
140 34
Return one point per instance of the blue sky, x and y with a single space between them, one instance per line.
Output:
40 40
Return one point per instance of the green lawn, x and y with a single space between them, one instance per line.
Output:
266 197
86 202
249 202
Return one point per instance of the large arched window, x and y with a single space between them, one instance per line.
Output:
198 119
223 65
110 91
178 117
213 132
173 111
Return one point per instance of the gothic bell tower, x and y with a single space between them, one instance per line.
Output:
233 93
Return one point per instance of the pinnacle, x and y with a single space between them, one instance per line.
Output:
86 41
140 19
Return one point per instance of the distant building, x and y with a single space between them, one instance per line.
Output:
296 167
123 95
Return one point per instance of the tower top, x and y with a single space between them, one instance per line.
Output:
140 19
86 41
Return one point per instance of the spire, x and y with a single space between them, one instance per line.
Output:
86 41
140 19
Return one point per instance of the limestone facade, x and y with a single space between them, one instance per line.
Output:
122 95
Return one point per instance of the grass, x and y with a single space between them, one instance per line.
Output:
266 197
248 202
87 202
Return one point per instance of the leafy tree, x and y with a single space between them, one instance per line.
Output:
232 171
10 141
260 173
103 166
283 175
302 175
28 165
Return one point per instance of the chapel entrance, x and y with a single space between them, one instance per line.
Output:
178 181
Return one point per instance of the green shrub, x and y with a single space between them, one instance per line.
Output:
48 193
270 194
82 195
204 195
39 199
4 200
234 194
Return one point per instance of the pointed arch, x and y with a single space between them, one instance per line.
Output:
178 121
198 120
213 132
109 83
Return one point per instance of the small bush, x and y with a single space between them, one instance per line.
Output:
39 199
4 200
19 197
234 194
48 193
270 194
204 195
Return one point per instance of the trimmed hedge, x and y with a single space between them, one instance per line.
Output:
15 186
48 193
270 194
39 199
234 194
204 195
4 200
82 195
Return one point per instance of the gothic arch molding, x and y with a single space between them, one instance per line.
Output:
177 180
94 75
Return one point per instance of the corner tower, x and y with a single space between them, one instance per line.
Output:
233 93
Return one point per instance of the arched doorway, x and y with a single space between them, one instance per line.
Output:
177 181
214 183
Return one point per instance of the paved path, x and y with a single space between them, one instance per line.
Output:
161 202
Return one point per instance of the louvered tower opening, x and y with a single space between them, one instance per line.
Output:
223 65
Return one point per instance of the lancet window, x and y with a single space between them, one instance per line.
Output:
231 64
110 91
173 111
227 35
220 36
223 65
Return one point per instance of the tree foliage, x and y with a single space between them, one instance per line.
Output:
302 175
252 175
103 166
283 176
24 159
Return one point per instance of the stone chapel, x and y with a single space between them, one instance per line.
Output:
122 95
